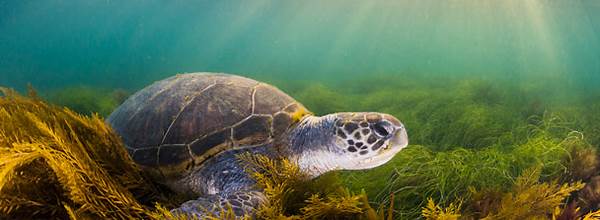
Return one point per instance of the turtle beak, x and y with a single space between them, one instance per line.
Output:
400 138
397 142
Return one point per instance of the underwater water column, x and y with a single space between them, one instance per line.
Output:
53 43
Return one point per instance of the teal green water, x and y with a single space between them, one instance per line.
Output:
486 89
128 44
516 59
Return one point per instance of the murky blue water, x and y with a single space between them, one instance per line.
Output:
128 44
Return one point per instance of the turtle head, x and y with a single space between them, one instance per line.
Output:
347 141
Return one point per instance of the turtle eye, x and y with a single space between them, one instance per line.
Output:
382 128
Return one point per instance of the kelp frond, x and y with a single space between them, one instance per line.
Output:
435 212
12 161
339 206
592 216
62 164
528 199
225 213
583 160
531 199
291 194
589 197
276 178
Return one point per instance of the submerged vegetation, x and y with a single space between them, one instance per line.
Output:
61 164
66 165
292 195
472 137
88 100
478 150
418 174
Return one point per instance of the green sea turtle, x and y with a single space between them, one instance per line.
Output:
186 131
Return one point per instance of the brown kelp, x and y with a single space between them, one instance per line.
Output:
531 199
435 212
528 199
588 199
63 164
291 194
59 163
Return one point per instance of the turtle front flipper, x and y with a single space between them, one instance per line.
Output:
242 203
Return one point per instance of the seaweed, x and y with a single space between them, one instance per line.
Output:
588 199
447 113
472 143
291 194
470 113
88 100
582 162
87 173
277 178
530 199
322 100
338 206
592 215
435 212
418 173
79 161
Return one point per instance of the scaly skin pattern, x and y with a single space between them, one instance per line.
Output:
315 143
224 183
185 132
